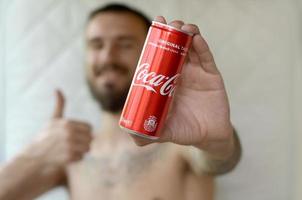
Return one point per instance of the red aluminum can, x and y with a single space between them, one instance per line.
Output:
154 81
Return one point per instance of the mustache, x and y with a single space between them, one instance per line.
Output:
100 69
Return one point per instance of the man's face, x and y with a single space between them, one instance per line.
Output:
114 41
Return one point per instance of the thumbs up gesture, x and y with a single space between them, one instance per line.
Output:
63 140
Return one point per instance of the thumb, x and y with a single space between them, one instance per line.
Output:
60 104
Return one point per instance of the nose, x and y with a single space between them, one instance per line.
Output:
107 58
107 55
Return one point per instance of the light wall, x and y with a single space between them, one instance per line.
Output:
2 85
257 46
297 106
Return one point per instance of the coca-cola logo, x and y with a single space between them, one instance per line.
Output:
151 81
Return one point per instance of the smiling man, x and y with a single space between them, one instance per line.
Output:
198 141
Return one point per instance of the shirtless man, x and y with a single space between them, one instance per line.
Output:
197 142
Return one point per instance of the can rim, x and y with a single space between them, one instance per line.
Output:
149 137
170 27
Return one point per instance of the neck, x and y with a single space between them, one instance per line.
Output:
109 134
110 123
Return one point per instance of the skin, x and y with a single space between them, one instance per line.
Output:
105 164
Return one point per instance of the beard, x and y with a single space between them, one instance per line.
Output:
112 99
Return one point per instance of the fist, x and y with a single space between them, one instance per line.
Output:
63 140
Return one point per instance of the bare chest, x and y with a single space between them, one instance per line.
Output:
126 171
153 173
117 167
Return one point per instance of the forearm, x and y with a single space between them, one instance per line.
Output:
222 158
26 177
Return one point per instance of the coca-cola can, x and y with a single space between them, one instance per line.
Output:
154 81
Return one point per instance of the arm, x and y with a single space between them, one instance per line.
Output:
216 162
224 158
200 113
41 166
26 177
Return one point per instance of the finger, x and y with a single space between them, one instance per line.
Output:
76 157
200 46
77 133
193 57
59 106
190 28
177 24
204 54
81 148
83 137
165 134
160 19
79 125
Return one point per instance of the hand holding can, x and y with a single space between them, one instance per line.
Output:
199 114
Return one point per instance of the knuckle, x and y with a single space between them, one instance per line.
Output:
70 159
71 156
87 126
87 134
87 148
194 25
177 21
71 146
66 124
69 136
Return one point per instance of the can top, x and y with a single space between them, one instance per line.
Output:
170 28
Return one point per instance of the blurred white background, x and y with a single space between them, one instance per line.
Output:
257 45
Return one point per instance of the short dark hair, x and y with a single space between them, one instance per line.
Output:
117 7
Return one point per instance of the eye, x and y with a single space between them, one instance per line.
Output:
96 45
125 44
